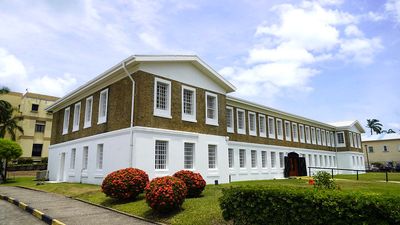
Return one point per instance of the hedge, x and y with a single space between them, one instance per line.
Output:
268 205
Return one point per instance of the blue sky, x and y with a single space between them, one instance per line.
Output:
330 60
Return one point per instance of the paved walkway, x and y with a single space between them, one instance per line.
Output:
67 210
11 214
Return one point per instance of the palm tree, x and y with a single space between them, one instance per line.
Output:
8 122
4 90
374 125
390 131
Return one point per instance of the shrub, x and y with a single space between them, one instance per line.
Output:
167 193
285 205
125 183
323 180
194 182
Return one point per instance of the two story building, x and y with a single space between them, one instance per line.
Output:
166 113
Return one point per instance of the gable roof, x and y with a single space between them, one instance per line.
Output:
347 125
137 59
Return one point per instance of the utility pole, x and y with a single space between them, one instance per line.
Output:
366 150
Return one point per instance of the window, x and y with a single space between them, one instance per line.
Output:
398 148
188 155
271 127
313 136
301 133
328 139
37 150
318 136
308 135
211 109
73 157
162 98
262 125
40 126
279 129
88 112
161 151
66 120
252 124
229 119
35 107
241 123
263 159
323 138
288 135
332 139
294 132
316 160
370 149
340 139
77 113
103 102
309 160
242 158
99 158
355 140
188 104
273 159
351 139
212 156
359 140
321 162
334 160
326 161
385 148
85 158
253 159
230 157
354 160
281 160
330 160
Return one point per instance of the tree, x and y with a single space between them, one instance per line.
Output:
9 150
5 107
8 122
390 131
374 125
4 90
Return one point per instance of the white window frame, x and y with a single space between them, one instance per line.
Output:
318 133
295 136
88 116
241 131
215 166
279 136
301 133
100 157
213 121
313 136
288 131
337 139
67 112
242 159
73 159
253 156
185 165
307 132
103 119
162 112
262 124
231 128
158 167
351 139
189 117
77 117
252 132
231 158
271 131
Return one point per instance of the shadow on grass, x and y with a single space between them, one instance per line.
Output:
112 201
154 215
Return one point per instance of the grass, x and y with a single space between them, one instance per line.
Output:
205 210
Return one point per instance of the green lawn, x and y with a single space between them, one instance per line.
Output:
204 210
372 176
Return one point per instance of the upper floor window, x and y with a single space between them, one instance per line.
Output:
262 125
313 136
35 107
229 119
279 129
328 139
77 113
385 148
252 124
294 131
332 139
88 112
103 102
66 120
188 104
271 127
355 140
370 149
162 98
323 137
211 109
340 139
308 135
40 126
301 133
288 133
351 139
319 136
241 122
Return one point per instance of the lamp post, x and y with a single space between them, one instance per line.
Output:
366 150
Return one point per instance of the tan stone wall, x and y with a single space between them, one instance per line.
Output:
379 155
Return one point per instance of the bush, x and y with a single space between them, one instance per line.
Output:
167 193
284 205
194 182
323 180
125 183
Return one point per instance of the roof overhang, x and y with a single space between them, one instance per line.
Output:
348 125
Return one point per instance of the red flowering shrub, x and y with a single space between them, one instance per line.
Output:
125 183
165 193
194 182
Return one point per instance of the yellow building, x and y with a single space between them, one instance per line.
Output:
36 122
383 148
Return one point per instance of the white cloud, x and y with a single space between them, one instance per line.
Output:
352 30
57 86
395 126
393 8
360 50
10 67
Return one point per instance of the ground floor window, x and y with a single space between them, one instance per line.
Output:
212 156
85 157
37 150
230 157
273 159
161 149
188 155
263 159
253 158
73 156
281 159
99 160
242 158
